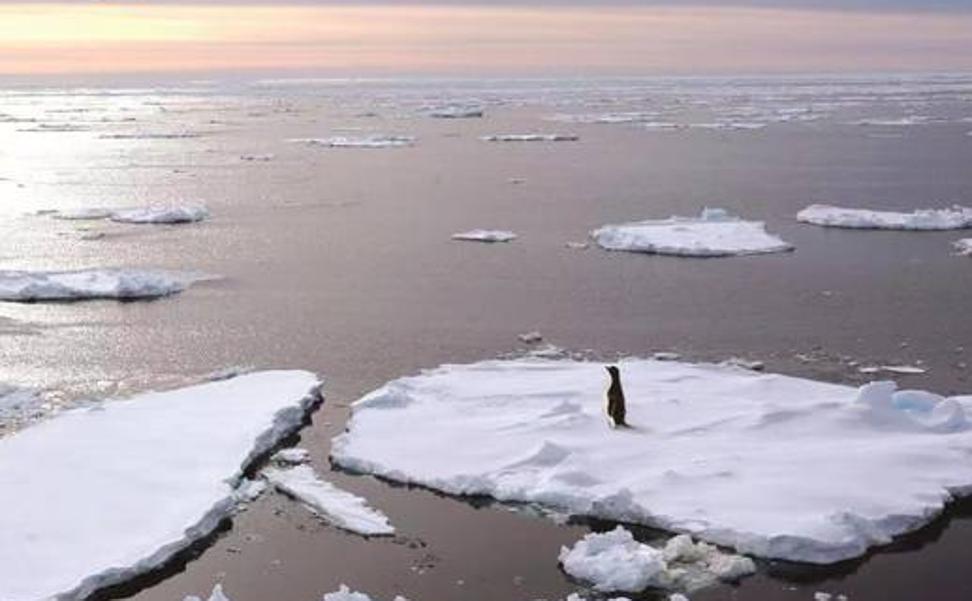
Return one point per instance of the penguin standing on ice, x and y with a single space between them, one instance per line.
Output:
615 398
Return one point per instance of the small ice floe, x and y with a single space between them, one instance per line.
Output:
374 141
531 337
715 233
664 125
964 247
256 158
87 284
851 468
956 217
577 245
147 477
185 135
743 363
531 138
895 122
822 596
291 456
666 356
615 562
869 369
485 236
904 370
605 118
342 594
341 508
455 112
161 214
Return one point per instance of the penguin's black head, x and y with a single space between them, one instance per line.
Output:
613 370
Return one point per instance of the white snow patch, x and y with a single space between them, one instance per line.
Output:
96 496
485 236
954 218
162 214
341 508
531 138
714 233
770 465
615 561
374 141
86 284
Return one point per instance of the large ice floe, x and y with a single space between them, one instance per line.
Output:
770 465
485 236
615 562
96 496
162 214
714 233
341 508
371 141
953 218
88 284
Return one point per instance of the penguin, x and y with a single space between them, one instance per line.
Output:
615 398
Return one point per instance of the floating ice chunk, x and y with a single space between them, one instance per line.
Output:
714 233
531 138
906 370
750 364
162 214
455 112
605 118
152 136
374 141
216 595
343 509
964 247
531 337
485 236
615 561
666 356
346 594
86 284
850 469
957 217
577 245
292 456
94 497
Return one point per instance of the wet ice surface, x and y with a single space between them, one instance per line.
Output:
340 262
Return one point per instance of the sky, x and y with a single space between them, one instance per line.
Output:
464 37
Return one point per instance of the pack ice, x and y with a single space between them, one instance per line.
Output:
87 284
97 496
954 218
714 233
770 465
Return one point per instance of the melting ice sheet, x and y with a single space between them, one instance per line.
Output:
770 465
87 284
97 496
714 233
920 219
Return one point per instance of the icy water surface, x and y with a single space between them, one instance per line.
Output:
339 260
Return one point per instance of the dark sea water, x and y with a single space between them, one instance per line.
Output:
340 261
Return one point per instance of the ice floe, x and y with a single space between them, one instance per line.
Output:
964 246
342 594
162 214
86 284
953 218
605 118
485 236
96 496
531 138
455 112
341 508
769 465
615 562
715 233
373 141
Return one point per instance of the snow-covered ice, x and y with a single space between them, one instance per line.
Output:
162 214
372 141
485 236
341 508
615 562
770 465
96 496
715 233
86 284
956 217
531 138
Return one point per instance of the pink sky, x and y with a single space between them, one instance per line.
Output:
457 40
